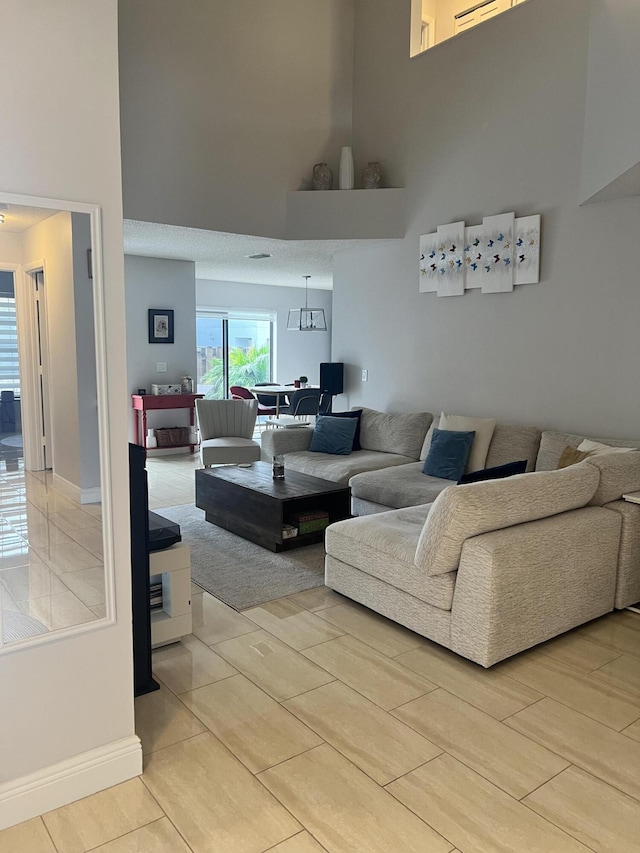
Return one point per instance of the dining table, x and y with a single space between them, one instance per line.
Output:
279 392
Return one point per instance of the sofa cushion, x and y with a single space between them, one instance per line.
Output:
399 434
340 469
384 546
509 442
497 473
619 473
398 487
571 456
552 444
448 454
483 429
356 414
333 435
466 511
596 448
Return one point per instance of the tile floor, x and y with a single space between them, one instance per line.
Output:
51 563
311 724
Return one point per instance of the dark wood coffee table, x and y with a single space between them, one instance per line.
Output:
250 503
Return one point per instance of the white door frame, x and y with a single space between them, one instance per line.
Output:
29 358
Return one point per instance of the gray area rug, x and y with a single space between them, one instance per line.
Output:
238 572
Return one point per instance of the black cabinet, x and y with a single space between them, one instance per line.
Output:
143 681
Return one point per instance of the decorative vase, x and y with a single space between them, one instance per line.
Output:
322 177
371 175
346 168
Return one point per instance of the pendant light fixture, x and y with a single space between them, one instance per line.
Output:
306 319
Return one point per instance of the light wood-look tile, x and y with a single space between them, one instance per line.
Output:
515 764
275 667
609 755
596 814
633 731
318 598
372 739
69 520
291 623
374 630
85 824
30 837
34 580
623 672
487 689
610 705
69 557
344 809
61 610
611 632
188 665
256 729
87 585
214 621
158 837
475 815
300 843
161 720
214 801
90 538
578 651
379 678
629 619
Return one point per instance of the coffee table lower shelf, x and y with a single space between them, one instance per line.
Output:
251 504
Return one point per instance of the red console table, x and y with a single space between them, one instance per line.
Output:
143 404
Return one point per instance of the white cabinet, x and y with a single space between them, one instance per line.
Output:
172 568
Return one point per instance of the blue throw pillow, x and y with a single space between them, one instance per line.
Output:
333 435
356 414
496 473
448 453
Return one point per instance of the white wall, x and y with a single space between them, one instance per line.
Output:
612 122
160 283
296 353
85 354
71 696
240 99
50 241
470 131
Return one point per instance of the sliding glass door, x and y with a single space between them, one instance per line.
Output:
233 348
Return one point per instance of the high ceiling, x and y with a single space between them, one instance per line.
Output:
223 257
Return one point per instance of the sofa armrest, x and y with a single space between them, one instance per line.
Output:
275 441
522 585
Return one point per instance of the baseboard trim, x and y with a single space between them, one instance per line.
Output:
70 780
66 487
91 496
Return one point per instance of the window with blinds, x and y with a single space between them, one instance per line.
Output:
9 370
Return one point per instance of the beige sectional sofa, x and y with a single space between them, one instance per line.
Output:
387 441
490 568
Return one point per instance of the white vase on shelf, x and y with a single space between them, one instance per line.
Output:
346 181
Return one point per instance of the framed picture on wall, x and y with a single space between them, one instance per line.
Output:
160 325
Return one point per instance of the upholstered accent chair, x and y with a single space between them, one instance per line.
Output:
226 429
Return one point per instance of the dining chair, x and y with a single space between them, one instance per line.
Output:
303 403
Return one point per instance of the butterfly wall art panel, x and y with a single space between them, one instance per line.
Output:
496 272
473 255
428 266
527 250
501 252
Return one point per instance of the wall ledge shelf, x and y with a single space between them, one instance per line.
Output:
346 214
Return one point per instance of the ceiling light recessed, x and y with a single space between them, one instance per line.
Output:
258 257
